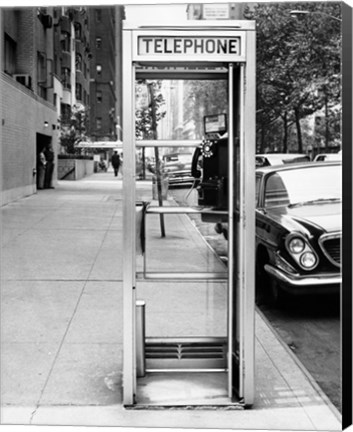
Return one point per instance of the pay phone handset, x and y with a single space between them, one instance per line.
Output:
210 164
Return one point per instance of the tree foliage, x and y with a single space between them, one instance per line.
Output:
144 116
73 128
205 98
298 66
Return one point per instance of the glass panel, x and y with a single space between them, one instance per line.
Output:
179 107
179 244
184 309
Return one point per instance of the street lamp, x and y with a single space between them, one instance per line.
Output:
305 12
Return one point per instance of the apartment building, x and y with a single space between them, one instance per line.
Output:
44 73
103 116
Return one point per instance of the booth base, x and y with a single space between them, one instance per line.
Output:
181 389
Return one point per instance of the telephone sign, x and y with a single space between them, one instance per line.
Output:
177 45
188 45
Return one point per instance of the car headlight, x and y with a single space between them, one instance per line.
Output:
296 245
308 260
301 251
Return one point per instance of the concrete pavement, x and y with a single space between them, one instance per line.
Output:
62 329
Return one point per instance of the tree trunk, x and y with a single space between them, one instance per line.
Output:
262 144
285 132
299 132
157 162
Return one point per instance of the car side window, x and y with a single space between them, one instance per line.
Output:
275 193
257 190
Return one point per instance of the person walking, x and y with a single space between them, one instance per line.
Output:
116 162
49 168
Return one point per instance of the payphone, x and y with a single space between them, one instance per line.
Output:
210 166
189 320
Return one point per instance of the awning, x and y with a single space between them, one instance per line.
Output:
100 144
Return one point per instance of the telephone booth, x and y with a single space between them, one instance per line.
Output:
189 315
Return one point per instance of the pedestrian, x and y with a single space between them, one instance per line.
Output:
49 168
116 162
41 164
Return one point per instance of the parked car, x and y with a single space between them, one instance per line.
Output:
298 230
178 168
280 158
328 157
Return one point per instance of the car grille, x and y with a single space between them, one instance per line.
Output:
331 246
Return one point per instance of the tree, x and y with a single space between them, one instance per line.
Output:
74 124
144 118
146 128
205 98
298 64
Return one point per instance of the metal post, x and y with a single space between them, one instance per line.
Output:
230 227
129 222
140 338
249 133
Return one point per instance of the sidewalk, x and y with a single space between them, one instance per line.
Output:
62 329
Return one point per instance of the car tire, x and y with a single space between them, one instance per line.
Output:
262 281
276 294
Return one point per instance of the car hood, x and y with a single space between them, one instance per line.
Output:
323 217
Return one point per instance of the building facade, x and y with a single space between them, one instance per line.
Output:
44 72
103 115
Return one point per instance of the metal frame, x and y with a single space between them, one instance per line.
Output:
131 64
230 225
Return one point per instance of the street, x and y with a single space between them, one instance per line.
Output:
309 326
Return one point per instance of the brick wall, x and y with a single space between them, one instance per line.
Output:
26 62
23 115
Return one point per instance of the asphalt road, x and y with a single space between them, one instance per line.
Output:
310 326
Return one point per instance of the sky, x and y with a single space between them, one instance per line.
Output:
140 3
156 13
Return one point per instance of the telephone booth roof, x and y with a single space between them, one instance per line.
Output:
214 25
188 41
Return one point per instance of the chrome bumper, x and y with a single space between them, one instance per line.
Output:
302 281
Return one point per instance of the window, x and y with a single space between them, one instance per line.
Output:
316 183
79 62
98 15
99 69
65 114
257 190
98 42
41 67
56 65
276 192
98 123
9 55
78 91
65 78
99 96
78 31
65 41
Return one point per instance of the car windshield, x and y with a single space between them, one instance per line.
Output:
303 186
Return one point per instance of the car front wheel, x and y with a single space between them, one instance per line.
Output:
276 294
